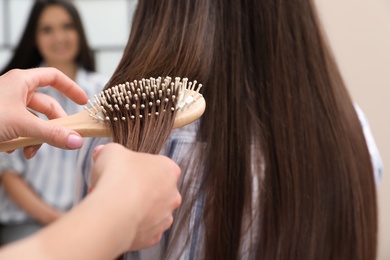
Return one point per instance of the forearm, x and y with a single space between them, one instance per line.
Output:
22 194
92 230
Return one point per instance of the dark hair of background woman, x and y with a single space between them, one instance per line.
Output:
277 108
26 54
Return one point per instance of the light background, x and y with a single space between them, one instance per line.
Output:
358 31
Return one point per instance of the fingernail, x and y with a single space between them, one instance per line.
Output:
74 141
96 150
32 154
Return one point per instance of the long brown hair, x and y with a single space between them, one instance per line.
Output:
279 121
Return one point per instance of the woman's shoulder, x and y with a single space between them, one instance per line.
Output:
97 77
185 133
91 80
371 144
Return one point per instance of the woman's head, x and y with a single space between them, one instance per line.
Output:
56 36
53 34
275 100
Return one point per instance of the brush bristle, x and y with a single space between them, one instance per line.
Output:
146 98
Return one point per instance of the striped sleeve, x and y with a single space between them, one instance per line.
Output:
372 147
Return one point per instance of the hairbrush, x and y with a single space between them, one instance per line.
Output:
133 102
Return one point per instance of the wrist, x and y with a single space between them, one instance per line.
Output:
49 216
119 213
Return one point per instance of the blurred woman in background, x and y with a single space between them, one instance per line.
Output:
35 193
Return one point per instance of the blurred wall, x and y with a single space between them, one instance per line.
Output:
358 30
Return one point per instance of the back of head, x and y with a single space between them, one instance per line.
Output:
277 109
26 54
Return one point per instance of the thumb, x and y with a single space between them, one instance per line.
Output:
52 134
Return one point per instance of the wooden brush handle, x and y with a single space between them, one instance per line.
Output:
83 124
